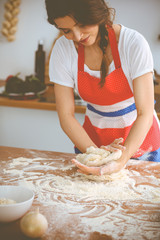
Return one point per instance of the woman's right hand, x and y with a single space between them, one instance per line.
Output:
116 144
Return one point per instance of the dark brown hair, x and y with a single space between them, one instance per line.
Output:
86 12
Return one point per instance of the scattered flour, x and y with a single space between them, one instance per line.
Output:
90 203
119 186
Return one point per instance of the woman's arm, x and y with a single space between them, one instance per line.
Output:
144 100
66 108
143 89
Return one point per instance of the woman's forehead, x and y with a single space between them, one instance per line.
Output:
65 22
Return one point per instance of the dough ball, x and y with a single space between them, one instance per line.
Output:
97 156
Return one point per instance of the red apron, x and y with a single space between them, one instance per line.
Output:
115 92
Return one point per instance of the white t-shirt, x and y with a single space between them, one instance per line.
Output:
135 55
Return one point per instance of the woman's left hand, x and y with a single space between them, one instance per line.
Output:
109 168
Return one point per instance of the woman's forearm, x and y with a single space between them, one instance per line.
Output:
76 133
144 100
136 136
66 109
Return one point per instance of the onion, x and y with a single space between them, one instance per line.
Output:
33 224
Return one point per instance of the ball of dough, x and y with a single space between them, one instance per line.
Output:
97 156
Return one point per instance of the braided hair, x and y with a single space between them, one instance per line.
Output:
103 45
86 12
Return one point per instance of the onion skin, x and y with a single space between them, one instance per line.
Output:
33 224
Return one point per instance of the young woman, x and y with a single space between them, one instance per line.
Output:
111 67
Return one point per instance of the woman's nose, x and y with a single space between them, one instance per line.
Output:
77 35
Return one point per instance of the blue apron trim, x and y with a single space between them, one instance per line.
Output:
151 156
77 151
113 114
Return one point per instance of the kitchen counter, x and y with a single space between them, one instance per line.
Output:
74 212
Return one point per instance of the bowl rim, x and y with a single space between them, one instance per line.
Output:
18 203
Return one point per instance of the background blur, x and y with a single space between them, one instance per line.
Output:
18 56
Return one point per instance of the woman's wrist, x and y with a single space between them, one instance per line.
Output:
123 159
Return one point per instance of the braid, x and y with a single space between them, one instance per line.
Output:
103 44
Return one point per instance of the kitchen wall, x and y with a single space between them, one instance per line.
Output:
18 56
143 16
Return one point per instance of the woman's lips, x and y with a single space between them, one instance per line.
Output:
84 40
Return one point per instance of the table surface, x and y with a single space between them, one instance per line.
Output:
72 210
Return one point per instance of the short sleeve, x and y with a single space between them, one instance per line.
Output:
140 56
60 64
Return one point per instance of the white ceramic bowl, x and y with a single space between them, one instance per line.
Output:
23 197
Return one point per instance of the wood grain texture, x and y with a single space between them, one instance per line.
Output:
72 216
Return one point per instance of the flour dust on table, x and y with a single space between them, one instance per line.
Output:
93 201
63 180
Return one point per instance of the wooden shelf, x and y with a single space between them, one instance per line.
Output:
47 104
35 104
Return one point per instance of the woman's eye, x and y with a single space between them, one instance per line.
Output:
66 31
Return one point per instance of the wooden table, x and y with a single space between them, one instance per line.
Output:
72 216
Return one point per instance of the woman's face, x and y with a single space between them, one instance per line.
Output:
85 35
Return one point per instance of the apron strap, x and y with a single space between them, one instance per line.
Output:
80 57
114 46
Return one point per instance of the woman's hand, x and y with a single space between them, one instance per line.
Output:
116 144
110 167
